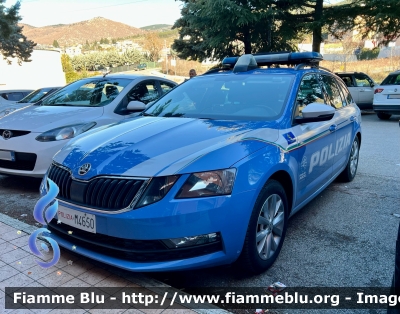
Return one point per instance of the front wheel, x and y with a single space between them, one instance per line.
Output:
350 171
266 230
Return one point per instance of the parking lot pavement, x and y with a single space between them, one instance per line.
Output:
18 268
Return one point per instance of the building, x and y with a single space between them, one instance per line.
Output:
45 69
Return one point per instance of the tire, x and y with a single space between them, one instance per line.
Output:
383 116
257 256
348 174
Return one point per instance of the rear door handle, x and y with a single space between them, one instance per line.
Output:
333 128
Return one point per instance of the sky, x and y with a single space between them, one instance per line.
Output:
137 13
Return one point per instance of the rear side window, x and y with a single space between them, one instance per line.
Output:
392 79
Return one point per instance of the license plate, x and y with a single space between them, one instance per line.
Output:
394 96
7 155
77 219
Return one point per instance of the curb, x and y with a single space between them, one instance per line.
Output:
138 278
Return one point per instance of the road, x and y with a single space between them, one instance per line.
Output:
344 238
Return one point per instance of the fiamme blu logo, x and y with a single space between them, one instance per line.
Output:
44 211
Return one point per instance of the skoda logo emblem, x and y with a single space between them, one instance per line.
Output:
84 169
7 134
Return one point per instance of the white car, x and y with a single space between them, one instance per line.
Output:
28 100
387 96
32 135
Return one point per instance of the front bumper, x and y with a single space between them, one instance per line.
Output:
33 158
130 240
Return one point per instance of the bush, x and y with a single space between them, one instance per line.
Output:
369 54
74 76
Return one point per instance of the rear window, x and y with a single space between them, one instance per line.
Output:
392 79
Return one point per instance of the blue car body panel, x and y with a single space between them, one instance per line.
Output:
310 154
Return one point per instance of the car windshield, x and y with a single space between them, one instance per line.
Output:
226 97
35 96
392 79
92 92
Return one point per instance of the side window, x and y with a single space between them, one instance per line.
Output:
15 96
332 93
362 80
345 93
166 87
309 92
145 92
348 80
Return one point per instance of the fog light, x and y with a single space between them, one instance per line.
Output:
192 241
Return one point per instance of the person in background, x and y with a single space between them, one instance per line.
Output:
192 73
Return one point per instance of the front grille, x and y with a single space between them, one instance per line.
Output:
128 249
23 161
15 133
110 194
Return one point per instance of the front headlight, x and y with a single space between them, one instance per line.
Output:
156 190
65 132
209 183
6 112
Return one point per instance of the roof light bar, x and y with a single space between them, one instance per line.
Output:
249 62
288 58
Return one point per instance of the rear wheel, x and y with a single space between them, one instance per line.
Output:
350 171
383 116
266 230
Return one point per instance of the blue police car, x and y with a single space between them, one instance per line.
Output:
211 172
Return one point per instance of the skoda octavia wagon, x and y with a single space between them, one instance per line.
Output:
210 173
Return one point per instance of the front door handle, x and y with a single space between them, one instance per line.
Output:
333 128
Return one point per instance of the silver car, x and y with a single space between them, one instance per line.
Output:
361 88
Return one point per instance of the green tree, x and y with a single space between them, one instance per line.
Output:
55 44
66 63
13 44
372 18
217 28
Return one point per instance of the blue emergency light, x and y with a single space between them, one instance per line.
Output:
248 61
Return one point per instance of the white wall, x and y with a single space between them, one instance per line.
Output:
45 69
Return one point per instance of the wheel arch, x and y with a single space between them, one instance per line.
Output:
285 180
359 138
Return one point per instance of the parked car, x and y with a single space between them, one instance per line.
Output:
387 96
9 96
35 133
360 86
141 66
28 100
210 173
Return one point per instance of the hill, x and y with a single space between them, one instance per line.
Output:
79 33
157 27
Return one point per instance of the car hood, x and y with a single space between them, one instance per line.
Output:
151 146
44 118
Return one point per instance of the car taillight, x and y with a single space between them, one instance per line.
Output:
378 90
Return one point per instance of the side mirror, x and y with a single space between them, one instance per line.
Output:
316 112
136 105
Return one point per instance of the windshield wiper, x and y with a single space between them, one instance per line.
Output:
145 114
